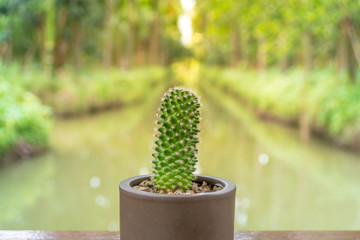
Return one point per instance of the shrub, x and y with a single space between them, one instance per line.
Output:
22 118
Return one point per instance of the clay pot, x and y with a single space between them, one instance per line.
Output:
201 216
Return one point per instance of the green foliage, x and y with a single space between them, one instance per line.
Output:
275 27
100 89
91 90
340 113
331 105
175 156
57 33
22 118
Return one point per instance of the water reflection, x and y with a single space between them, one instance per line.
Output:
21 187
281 183
113 226
302 187
241 208
102 201
144 170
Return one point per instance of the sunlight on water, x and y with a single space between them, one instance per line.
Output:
185 22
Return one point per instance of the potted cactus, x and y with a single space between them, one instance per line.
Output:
173 203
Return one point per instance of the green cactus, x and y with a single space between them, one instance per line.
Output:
175 156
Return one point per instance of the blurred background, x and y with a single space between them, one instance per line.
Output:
81 80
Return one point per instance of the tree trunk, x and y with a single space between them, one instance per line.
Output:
130 35
284 64
49 39
308 56
140 52
154 38
6 52
235 40
262 54
61 45
244 47
41 40
351 63
3 50
61 49
108 48
352 48
118 56
118 49
308 63
353 39
29 57
283 59
341 49
345 54
77 45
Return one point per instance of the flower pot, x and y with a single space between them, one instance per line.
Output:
201 216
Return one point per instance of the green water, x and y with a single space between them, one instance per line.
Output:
282 184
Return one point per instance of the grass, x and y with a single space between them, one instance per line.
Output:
331 104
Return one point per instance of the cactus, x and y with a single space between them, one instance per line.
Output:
176 139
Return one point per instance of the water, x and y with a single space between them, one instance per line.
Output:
282 184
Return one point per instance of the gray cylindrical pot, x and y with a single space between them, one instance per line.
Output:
201 216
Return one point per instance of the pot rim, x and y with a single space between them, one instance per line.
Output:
127 186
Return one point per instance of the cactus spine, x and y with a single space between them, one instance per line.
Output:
176 139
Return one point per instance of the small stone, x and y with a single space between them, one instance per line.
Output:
147 183
178 192
196 187
145 189
170 193
154 190
204 184
190 192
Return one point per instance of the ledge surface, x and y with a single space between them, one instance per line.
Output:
246 235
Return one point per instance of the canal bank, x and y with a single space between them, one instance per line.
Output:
322 102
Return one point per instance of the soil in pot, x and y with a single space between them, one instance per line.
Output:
197 187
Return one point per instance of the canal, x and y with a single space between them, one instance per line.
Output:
282 183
